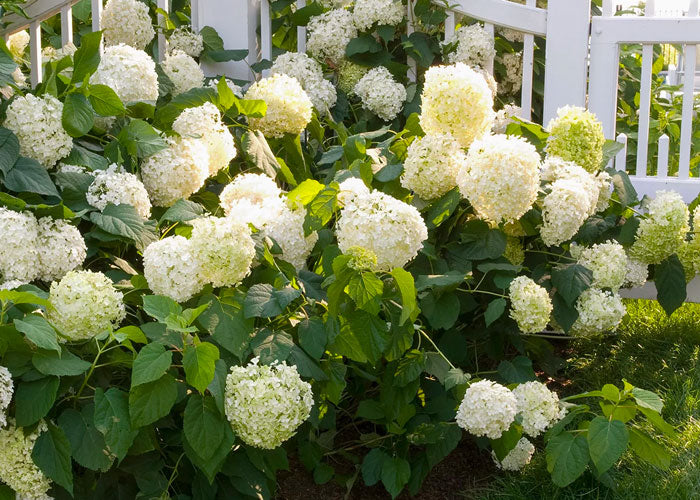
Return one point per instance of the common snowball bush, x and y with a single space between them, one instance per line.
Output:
130 72
117 187
530 305
487 409
172 269
474 45
184 40
309 74
380 93
432 165
518 457
183 71
289 108
17 469
128 22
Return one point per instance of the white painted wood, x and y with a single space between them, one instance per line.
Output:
645 100
410 28
504 13
566 57
528 68
662 163
301 30
450 24
608 8
602 86
648 291
162 42
650 30
96 15
621 156
196 13
36 75
265 33
66 24
688 101
36 10
488 64
687 188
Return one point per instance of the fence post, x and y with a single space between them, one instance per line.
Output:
566 67
236 21
602 91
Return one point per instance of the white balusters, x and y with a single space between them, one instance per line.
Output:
662 163
450 24
489 62
528 67
96 15
621 156
604 60
688 98
645 100
265 32
36 75
301 30
66 24
162 42
410 28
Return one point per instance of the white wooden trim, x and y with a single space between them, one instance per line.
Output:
648 291
301 30
528 71
96 15
621 156
66 24
652 30
162 42
504 13
688 101
662 163
37 72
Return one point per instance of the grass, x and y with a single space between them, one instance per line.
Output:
653 352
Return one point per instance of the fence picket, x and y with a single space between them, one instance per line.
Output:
35 53
662 163
621 156
489 62
66 25
688 101
301 30
162 42
645 100
265 33
96 15
528 68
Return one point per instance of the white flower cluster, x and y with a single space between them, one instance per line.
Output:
517 458
390 228
84 304
598 311
664 229
329 34
130 72
45 249
576 135
289 109
488 409
171 269
175 172
367 13
530 305
504 116
432 164
538 407
266 404
503 177
185 40
36 121
309 74
608 262
513 80
7 389
17 468
636 273
17 43
204 122
183 71
456 100
20 81
115 185
475 46
287 229
349 73
223 249
128 22
380 93
236 89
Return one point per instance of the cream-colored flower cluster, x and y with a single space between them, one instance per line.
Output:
367 13
84 304
380 93
393 230
530 305
130 72
7 389
636 273
183 71
329 34
36 121
115 185
60 248
474 45
309 74
608 262
432 164
17 43
17 468
598 311
185 40
518 457
504 117
664 229
349 73
538 407
502 177
513 79
289 109
576 135
487 409
128 22
266 404
171 269
456 100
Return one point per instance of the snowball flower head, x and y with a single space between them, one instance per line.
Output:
223 248
598 311
349 73
555 168
488 409
382 12
432 164
184 40
329 34
252 199
309 74
287 229
530 305
175 172
7 389
456 100
17 43
502 177
36 121
512 81
19 256
514 252
517 458
128 22
663 231
576 135
266 404
538 407
380 93
17 468
130 72
171 269
115 185
504 117
608 262
183 71
61 248
84 304
393 230
564 210
636 273
474 45
361 259
289 109
204 122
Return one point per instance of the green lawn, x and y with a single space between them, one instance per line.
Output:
653 352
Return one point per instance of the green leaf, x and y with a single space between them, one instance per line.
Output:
610 149
152 401
518 370
366 290
567 457
257 152
372 466
363 337
87 57
495 310
669 278
571 281
203 425
211 466
455 377
503 445
305 192
227 325
265 301
183 211
226 96
78 116
22 298
409 368
647 399
51 453
658 422
451 279
407 289
150 364
481 242
306 366
272 346
123 220
34 399
321 209
166 115
39 331
607 441
160 307
199 362
442 311
9 149
63 363
624 188
140 139
649 450
27 175
86 442
112 420
105 101
395 475
312 336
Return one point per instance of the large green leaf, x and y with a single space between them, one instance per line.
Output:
227 325
396 472
265 301
34 399
63 363
321 209
9 149
649 450
647 399
407 290
27 175
363 337
87 57
199 362
87 444
372 466
150 364
38 331
567 457
125 221
607 441
670 284
141 139
183 211
78 116
105 101
151 401
160 307
571 281
312 336
481 242
211 466
51 453
112 420
203 425
272 346
366 290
